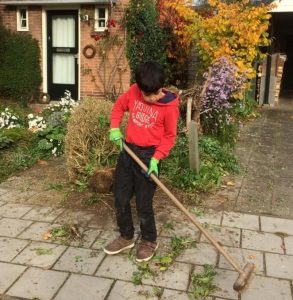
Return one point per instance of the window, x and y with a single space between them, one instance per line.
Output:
101 18
22 19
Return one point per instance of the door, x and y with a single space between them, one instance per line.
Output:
62 45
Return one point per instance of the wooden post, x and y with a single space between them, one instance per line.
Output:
193 146
188 111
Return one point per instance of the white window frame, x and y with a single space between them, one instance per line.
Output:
19 18
97 18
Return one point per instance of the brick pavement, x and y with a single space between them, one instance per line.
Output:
80 269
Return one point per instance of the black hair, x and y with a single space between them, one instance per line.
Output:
149 77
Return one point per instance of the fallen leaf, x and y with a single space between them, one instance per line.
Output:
230 183
42 162
47 235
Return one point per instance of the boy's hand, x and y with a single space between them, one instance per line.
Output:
153 166
116 136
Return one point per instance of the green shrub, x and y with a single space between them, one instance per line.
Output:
5 142
18 135
216 161
145 39
20 73
245 109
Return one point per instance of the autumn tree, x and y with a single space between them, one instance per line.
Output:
235 30
175 17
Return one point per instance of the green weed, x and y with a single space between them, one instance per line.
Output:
178 244
144 271
41 251
202 283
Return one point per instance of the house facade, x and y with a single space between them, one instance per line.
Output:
82 44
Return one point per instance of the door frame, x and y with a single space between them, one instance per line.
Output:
45 44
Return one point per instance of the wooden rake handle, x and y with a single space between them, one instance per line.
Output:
184 210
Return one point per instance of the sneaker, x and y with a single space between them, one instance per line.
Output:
146 250
118 245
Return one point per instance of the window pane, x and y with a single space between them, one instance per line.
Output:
63 69
22 13
63 31
102 13
23 23
102 23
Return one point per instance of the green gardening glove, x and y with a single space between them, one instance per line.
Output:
153 167
117 137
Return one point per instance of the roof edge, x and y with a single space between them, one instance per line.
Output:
54 2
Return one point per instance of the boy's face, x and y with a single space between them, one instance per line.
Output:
154 97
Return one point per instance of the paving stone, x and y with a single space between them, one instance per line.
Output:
261 241
102 223
89 236
202 254
225 235
118 267
14 210
3 191
99 243
176 277
280 266
210 217
223 281
127 291
79 260
269 224
180 229
175 295
37 284
16 195
239 220
8 274
84 287
255 195
45 214
36 231
267 289
12 227
10 247
79 217
39 254
243 256
289 245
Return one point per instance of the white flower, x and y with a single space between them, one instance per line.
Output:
54 150
30 116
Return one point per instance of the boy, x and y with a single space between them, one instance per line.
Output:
150 133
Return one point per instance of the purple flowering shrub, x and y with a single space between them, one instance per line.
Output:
216 108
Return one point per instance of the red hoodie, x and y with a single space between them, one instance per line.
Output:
149 124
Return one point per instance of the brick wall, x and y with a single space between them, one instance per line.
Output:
110 75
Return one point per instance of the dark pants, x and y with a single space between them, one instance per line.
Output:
131 180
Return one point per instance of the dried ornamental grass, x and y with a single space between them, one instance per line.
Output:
87 146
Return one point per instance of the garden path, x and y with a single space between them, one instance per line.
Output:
265 152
